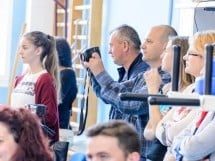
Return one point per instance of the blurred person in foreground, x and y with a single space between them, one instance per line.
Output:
21 136
115 140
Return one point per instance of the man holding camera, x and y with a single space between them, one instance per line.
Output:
124 48
125 51
121 49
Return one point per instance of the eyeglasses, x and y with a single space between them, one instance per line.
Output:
193 54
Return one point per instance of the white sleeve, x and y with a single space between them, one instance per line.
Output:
162 125
178 126
195 147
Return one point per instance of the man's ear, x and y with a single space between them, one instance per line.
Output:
134 156
125 45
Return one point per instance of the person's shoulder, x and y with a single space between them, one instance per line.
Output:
67 74
45 77
189 89
139 76
143 63
18 79
164 75
68 71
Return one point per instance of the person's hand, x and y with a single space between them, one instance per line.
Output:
95 64
153 80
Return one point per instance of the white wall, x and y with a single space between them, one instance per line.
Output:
40 15
195 17
141 14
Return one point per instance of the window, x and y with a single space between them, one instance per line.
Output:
195 16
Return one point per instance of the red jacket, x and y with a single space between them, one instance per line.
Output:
45 93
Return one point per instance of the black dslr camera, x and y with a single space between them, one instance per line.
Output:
38 109
87 54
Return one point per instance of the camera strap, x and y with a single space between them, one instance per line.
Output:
84 105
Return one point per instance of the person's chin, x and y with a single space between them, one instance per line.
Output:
144 58
187 70
24 62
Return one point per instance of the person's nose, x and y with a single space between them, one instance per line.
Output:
143 46
20 51
185 57
109 51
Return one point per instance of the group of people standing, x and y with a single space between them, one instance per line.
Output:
134 64
144 68
152 75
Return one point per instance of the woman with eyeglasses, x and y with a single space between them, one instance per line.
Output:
179 117
196 141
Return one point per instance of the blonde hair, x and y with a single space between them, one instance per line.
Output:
200 39
185 79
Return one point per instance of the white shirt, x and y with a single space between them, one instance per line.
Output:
24 92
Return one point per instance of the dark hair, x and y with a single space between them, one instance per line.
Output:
64 52
128 33
124 132
27 133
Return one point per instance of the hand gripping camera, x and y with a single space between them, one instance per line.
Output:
87 54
